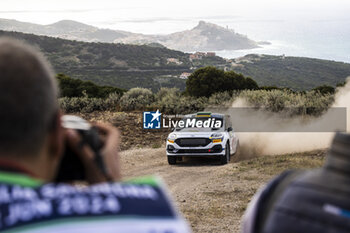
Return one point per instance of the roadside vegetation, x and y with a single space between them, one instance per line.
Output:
86 97
70 87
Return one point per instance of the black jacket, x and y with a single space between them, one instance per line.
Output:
314 201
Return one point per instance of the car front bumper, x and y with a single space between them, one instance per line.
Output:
172 149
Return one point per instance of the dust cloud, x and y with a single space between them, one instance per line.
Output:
266 133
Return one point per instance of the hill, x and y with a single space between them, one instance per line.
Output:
119 65
153 67
66 29
204 37
298 73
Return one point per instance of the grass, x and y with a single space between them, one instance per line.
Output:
271 165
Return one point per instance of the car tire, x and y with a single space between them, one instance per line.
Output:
224 159
171 160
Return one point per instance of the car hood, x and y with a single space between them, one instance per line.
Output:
193 134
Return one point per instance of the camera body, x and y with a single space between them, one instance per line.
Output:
71 168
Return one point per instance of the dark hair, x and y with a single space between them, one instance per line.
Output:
28 97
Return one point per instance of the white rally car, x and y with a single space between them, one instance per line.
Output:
202 134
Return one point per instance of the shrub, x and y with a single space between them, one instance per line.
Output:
136 99
112 102
222 98
325 89
70 87
171 101
168 100
311 103
188 104
87 105
81 104
209 80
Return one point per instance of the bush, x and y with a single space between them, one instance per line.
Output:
87 105
168 100
310 103
136 99
188 104
112 102
222 98
172 101
209 80
81 104
325 89
70 87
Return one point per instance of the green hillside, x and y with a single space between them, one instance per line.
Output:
126 66
118 65
298 73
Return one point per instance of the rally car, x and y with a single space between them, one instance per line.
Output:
202 134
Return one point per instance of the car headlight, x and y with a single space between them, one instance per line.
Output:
217 140
171 138
216 135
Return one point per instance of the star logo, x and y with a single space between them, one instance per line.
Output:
156 115
151 120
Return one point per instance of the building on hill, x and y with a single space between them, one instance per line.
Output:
211 54
185 75
196 56
200 55
174 60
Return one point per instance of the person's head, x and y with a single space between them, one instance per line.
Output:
29 111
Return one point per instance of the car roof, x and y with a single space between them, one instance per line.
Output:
206 114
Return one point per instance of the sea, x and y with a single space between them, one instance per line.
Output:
328 40
323 39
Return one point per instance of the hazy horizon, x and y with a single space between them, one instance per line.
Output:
297 28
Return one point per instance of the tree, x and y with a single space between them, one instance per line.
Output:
209 80
325 89
250 84
70 87
205 81
341 84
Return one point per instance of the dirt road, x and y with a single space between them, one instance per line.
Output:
210 196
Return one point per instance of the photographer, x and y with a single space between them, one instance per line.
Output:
32 146
315 201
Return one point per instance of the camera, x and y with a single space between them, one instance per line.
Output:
71 167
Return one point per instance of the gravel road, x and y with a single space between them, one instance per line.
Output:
210 196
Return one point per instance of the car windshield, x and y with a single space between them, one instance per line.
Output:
200 124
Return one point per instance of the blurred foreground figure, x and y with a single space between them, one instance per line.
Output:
32 145
314 201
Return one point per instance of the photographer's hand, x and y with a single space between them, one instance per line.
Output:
109 153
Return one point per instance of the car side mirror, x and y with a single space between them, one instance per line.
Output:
229 129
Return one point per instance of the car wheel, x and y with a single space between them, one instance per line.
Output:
171 160
225 158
